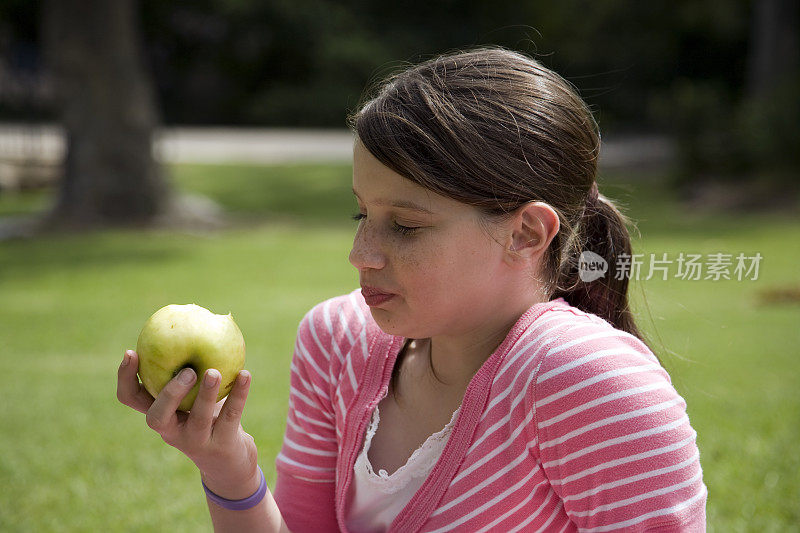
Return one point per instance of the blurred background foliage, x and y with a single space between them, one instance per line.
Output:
303 63
684 68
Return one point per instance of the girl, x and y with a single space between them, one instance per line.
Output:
476 381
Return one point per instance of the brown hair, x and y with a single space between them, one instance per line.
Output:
495 129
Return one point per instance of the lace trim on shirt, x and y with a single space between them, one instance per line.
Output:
419 464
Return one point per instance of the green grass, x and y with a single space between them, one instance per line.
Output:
73 459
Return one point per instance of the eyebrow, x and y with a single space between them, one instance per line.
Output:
405 204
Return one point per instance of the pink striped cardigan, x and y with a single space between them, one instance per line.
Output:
569 425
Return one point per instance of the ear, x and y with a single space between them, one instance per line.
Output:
532 229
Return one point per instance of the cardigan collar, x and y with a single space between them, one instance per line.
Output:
383 352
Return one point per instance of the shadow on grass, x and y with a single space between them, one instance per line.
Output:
65 253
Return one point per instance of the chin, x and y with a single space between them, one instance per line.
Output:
391 326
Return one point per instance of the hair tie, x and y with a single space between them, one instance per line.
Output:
591 200
593 195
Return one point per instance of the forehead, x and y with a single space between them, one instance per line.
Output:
370 176
376 183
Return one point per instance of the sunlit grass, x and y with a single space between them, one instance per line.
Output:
73 459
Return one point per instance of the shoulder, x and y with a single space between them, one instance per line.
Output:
574 343
609 428
585 358
561 353
560 336
593 380
567 357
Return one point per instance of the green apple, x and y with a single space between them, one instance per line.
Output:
181 336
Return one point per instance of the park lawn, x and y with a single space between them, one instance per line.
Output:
73 459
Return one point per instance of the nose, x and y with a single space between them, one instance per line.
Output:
366 251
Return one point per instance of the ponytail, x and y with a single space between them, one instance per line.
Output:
603 231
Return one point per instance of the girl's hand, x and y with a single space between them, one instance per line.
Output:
210 434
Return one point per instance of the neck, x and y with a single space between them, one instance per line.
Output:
457 358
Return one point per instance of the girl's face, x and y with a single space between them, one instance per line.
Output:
426 250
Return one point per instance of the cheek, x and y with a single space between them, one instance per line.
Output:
466 267
419 268
415 264
412 258
439 271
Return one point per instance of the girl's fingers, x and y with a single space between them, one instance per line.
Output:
201 415
230 416
129 391
162 416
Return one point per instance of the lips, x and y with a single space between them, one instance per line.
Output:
373 296
366 290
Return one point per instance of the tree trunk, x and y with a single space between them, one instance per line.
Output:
105 99
770 111
774 46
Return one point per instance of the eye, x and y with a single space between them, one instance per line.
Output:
403 230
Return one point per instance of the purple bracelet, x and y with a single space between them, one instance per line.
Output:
239 505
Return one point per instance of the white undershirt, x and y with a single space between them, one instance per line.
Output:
378 498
